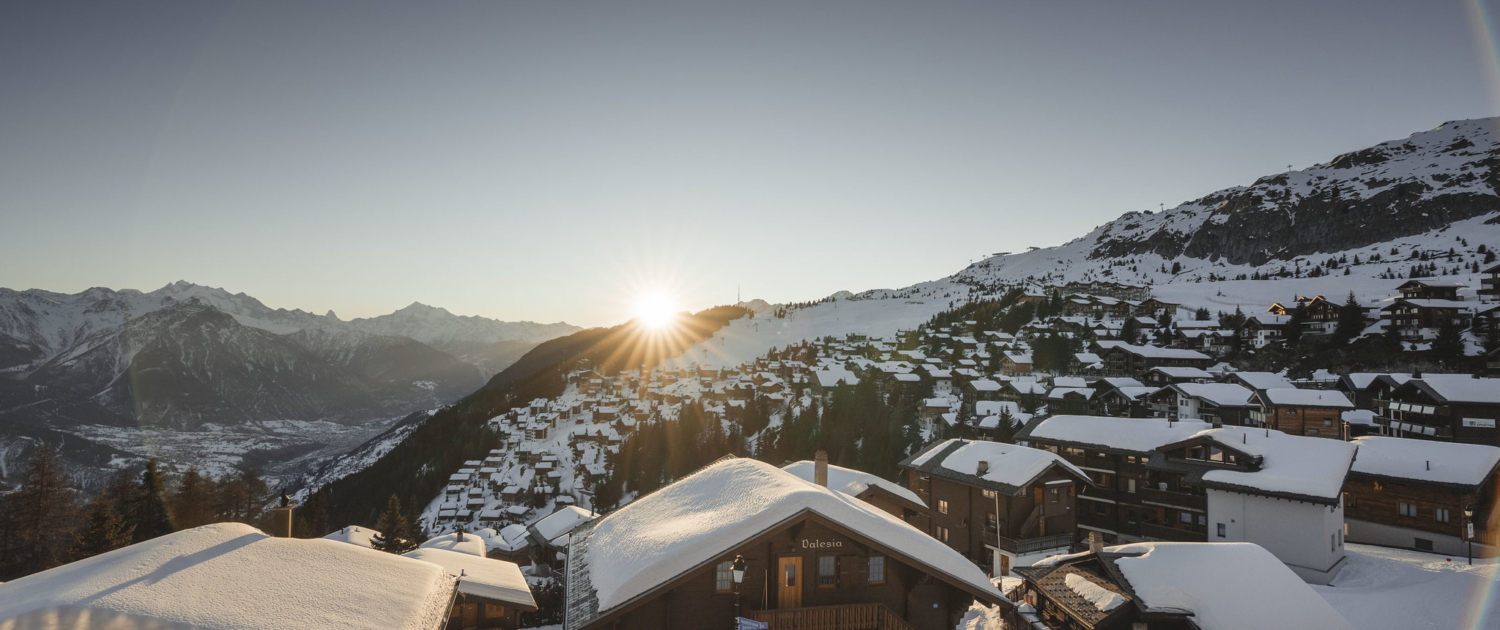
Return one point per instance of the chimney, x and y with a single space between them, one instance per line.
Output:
460 533
1218 423
1096 542
984 468
281 517
820 468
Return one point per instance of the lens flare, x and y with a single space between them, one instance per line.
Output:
655 310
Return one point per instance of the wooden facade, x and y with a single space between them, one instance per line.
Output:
806 570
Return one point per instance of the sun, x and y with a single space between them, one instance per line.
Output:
655 310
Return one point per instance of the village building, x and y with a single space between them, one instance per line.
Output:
1449 407
1489 283
1190 481
1263 329
995 502
743 538
1418 320
1125 359
1168 586
1222 402
1416 493
1430 289
231 575
1310 412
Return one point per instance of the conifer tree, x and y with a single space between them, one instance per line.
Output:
312 515
43 513
1351 321
145 509
395 534
192 501
103 529
1448 346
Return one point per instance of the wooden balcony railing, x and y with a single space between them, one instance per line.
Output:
1172 498
851 617
1172 534
1027 545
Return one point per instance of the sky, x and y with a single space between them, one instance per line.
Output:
552 161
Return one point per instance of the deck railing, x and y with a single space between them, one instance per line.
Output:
851 617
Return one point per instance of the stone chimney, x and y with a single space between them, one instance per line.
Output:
820 468
1218 423
459 533
281 517
1096 542
983 469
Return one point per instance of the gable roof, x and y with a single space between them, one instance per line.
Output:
1220 394
1011 467
853 482
1131 435
1291 396
1450 463
234 577
646 545
481 577
1309 469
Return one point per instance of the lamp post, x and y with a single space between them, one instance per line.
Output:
1469 530
739 576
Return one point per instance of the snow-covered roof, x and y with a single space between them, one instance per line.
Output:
1058 393
1069 381
471 544
1183 372
1226 586
831 378
561 522
1306 398
1461 388
1291 464
1126 434
1220 394
1263 380
355 535
1426 460
231 576
984 385
851 482
718 508
482 577
1011 465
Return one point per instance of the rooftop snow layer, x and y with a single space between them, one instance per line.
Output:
1126 434
231 576
1294 464
1103 599
481 577
851 482
1009 464
1227 586
1307 398
562 521
1424 460
709 513
471 544
355 535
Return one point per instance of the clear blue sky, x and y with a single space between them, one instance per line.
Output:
545 160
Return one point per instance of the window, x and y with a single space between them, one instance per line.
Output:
1185 517
1422 544
877 569
1223 531
1202 520
988 494
1100 508
1408 509
1442 515
828 571
1349 500
940 533
724 577
942 506
990 522
790 579
1130 485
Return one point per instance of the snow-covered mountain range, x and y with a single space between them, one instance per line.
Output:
187 360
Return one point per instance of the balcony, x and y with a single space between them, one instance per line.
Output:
1172 534
1175 499
1021 546
1101 493
851 617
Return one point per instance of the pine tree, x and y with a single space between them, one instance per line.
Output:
43 513
103 528
192 501
145 509
395 530
1351 321
1448 346
312 515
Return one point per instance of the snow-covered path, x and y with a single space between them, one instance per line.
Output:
1407 590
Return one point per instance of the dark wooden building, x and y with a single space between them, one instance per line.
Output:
995 502
1413 494
812 557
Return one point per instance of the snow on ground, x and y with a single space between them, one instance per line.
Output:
1383 588
747 339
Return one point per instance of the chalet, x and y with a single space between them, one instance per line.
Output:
1363 388
1489 284
1414 494
1124 359
1222 402
1419 319
995 502
1309 412
1189 481
1164 376
825 382
1449 407
1070 400
888 496
1169 587
1085 363
743 538
1263 329
1428 289
1153 307
230 575
1016 363
1121 396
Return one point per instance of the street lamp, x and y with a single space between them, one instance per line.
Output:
1469 530
739 576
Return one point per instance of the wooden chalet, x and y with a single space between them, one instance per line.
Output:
1309 412
1449 407
1413 494
1489 283
1429 289
808 556
994 502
